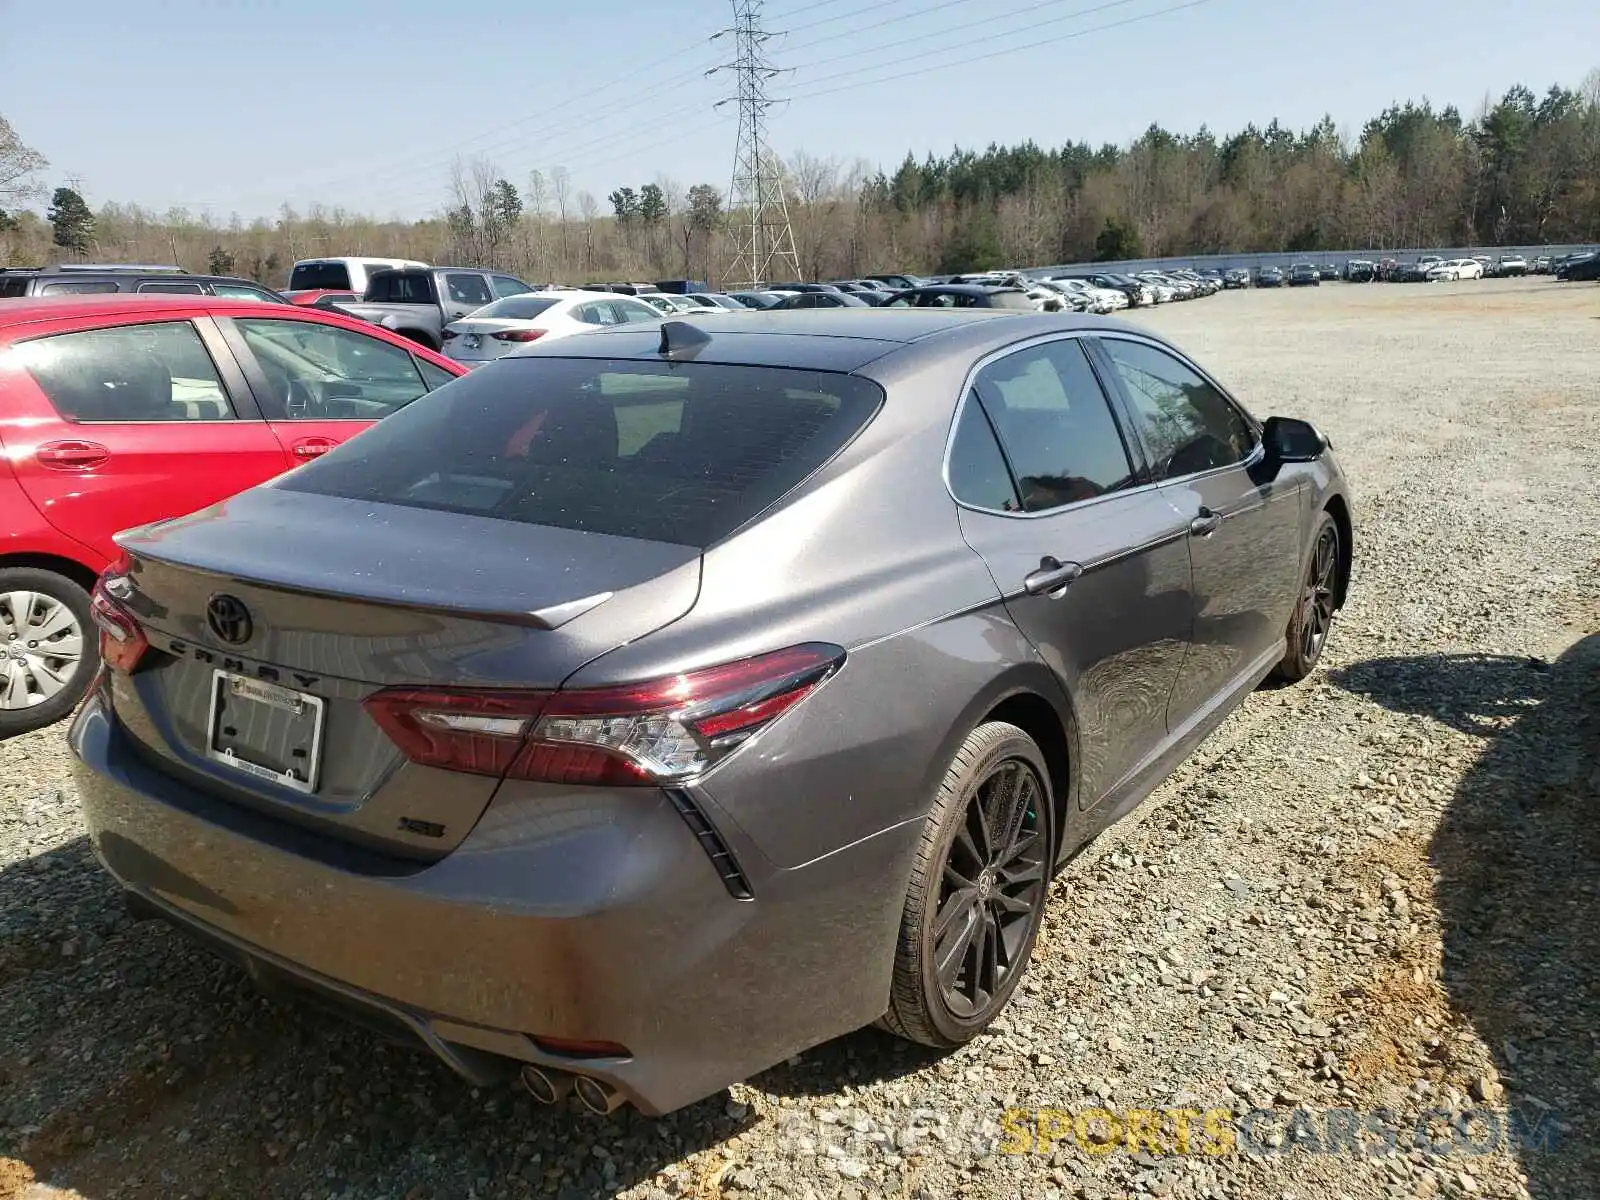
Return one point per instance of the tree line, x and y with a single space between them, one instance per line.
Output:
1524 171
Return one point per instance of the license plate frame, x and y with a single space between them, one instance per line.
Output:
231 694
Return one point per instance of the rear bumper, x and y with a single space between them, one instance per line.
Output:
566 914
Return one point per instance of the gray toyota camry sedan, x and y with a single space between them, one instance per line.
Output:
647 707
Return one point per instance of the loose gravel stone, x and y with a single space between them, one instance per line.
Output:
1376 889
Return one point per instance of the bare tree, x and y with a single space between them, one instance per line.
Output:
18 166
589 207
561 185
813 183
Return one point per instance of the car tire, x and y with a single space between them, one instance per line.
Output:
42 602
990 897
1314 610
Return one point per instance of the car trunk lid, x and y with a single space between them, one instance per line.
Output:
272 605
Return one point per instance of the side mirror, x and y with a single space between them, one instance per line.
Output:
1290 440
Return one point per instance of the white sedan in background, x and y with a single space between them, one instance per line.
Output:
669 303
1455 268
499 328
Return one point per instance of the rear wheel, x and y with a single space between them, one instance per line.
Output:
977 892
47 651
1313 615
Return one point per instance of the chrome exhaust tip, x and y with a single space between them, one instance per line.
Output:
545 1085
598 1097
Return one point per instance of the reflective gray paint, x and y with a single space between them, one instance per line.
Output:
592 912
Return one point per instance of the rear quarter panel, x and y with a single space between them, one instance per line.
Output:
867 555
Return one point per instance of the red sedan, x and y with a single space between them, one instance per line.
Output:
117 410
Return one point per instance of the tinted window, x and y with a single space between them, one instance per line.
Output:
468 289
77 288
16 285
401 287
595 314
517 308
978 472
158 372
671 452
238 291
505 285
1055 425
179 289
320 276
1189 425
433 376
632 310
321 373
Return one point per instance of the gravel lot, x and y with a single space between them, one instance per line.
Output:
1378 889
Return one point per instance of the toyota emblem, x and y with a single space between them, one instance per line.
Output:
229 619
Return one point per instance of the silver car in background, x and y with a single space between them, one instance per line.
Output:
646 707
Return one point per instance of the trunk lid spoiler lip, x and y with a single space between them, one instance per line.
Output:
550 617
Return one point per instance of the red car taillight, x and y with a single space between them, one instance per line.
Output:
518 335
659 731
122 641
446 335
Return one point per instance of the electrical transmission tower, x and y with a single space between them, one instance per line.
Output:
759 214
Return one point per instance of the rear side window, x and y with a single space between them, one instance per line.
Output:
173 288
1055 425
468 289
505 285
17 285
158 372
400 287
978 474
322 276
78 288
668 452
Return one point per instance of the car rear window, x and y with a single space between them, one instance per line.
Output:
321 276
668 452
517 308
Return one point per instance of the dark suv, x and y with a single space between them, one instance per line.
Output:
80 280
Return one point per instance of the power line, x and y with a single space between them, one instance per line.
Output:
389 168
855 12
972 58
965 43
762 234
860 29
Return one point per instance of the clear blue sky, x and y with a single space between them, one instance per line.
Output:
239 105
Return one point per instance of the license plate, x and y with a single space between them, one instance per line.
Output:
273 733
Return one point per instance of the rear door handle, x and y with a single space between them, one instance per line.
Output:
1205 524
1052 578
313 447
71 455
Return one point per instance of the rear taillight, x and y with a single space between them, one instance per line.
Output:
122 641
446 335
518 335
661 731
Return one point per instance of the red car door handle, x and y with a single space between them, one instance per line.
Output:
313 447
71 455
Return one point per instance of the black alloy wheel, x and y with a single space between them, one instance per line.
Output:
993 889
977 892
1313 614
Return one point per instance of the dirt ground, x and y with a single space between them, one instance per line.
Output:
1377 890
